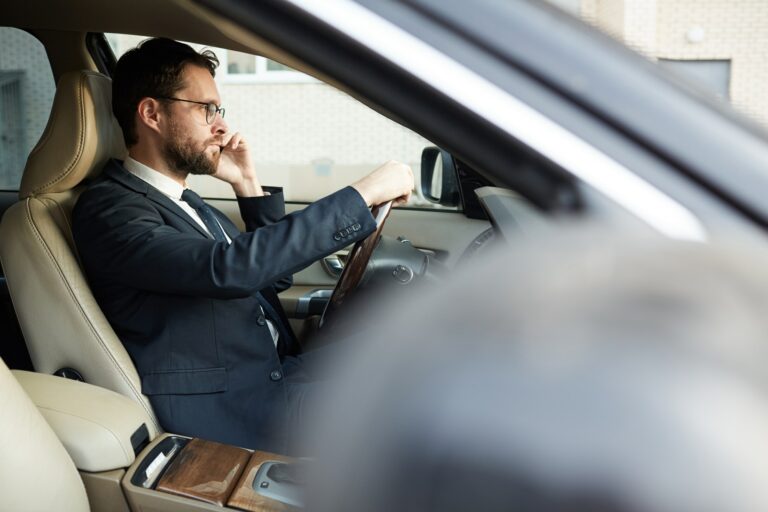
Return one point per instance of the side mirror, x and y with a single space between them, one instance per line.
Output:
439 182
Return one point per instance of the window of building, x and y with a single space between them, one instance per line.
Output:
712 75
26 95
244 68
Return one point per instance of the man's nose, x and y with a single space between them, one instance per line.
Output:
219 125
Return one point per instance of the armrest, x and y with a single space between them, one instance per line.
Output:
102 430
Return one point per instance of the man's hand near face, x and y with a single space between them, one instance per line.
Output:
236 166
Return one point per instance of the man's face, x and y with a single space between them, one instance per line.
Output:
191 145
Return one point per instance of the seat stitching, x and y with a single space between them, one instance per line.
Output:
81 138
68 225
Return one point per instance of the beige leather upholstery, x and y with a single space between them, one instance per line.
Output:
36 474
62 324
94 424
80 137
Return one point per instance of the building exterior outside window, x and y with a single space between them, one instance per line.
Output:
689 31
238 67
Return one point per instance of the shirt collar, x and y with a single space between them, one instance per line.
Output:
160 181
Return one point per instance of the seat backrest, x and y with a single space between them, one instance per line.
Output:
36 472
62 324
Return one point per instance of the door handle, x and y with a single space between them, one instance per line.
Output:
333 265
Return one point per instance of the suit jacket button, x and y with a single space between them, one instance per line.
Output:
261 320
276 375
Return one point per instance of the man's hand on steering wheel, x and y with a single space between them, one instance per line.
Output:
389 185
393 181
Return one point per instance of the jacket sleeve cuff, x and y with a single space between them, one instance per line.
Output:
262 210
357 209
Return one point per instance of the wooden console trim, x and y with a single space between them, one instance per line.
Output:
245 498
205 471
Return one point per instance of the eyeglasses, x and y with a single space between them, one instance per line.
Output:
211 109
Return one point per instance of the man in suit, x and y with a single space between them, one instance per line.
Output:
193 300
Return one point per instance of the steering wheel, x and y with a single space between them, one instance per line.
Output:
356 263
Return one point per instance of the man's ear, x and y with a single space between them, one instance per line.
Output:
149 113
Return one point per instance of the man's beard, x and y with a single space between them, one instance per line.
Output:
183 159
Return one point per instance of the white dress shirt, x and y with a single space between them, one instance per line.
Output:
173 190
168 186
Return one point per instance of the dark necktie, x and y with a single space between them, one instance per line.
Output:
206 214
209 219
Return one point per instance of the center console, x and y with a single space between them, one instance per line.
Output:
204 475
126 466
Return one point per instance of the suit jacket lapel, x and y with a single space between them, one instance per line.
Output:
163 200
116 171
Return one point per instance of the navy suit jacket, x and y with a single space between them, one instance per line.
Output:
185 306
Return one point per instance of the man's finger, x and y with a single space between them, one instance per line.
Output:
236 138
226 138
402 199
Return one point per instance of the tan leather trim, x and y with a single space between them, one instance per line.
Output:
81 135
42 271
35 471
94 424
105 493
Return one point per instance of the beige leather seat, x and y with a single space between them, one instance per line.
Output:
36 473
62 324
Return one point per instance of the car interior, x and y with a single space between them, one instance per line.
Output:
92 435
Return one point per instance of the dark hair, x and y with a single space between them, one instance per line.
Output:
152 69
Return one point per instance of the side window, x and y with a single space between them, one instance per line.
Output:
26 94
308 137
714 75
